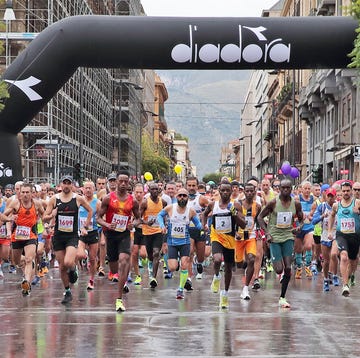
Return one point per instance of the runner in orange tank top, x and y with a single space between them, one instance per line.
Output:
24 212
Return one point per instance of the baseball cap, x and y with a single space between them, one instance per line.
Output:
66 177
331 191
112 176
324 187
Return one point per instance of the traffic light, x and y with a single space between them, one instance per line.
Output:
320 173
77 172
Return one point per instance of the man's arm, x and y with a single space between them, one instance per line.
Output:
332 220
103 209
205 215
49 212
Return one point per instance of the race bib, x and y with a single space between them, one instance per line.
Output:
249 222
223 224
22 233
120 221
154 219
178 230
347 225
66 223
82 224
326 223
3 231
284 219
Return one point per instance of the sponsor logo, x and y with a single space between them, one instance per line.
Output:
263 49
5 171
25 86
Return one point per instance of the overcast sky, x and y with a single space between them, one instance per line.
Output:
236 8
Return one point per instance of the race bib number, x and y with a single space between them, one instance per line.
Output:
178 231
153 218
2 231
120 222
283 219
326 223
82 224
22 233
66 223
249 222
223 224
347 225
306 217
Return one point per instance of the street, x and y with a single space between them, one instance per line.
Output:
156 324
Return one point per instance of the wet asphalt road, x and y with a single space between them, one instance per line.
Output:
319 324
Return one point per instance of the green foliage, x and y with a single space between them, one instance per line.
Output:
178 136
4 94
354 10
153 160
215 177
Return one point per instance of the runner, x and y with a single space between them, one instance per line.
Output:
225 215
178 237
119 207
279 233
64 207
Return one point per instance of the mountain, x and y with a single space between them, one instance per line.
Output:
205 106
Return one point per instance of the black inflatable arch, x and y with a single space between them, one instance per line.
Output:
160 43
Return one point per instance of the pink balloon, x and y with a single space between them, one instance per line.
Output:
294 172
286 168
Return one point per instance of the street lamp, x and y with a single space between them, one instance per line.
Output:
120 83
9 16
251 151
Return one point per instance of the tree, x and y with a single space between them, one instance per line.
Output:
153 159
215 177
354 10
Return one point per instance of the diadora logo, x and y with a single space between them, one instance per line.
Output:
5 171
263 50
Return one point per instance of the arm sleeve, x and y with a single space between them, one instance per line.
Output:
160 218
317 215
196 222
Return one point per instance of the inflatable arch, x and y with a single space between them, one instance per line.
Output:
160 43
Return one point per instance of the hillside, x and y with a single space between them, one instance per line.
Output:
205 106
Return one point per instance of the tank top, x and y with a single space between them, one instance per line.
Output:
25 226
347 221
83 216
306 208
195 204
249 231
151 213
281 221
326 209
223 226
178 227
66 221
119 212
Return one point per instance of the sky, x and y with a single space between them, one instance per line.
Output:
235 8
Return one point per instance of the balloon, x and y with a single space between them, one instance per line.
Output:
178 169
148 176
286 168
294 172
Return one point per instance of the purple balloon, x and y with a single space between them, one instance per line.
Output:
294 172
286 168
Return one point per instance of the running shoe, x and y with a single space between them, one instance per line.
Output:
199 276
326 286
188 285
115 277
67 297
269 266
256 284
224 300
345 291
199 268
90 285
153 282
12 269
137 280
262 273
101 271
73 275
129 279
245 293
119 305
352 280
126 288
168 275
110 276
56 263
41 272
180 294
283 303
298 273
35 280
336 281
25 287
215 285
313 269
308 272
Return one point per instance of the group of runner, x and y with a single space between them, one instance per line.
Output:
246 226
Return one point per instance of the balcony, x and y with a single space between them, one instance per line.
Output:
326 7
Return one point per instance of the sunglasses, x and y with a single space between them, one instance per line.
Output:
356 189
346 183
182 196
276 186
